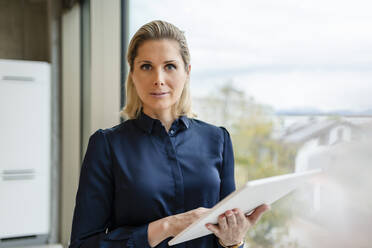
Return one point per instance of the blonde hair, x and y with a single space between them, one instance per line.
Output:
156 30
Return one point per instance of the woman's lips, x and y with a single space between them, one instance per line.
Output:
159 95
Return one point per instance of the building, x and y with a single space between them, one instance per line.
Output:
83 42
330 208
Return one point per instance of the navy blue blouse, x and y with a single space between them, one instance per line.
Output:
137 172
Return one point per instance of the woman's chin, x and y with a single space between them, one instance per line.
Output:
159 107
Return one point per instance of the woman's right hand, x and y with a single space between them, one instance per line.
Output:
178 222
172 225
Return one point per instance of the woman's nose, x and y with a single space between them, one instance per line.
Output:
159 79
158 83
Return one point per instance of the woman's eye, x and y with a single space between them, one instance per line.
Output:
146 67
170 67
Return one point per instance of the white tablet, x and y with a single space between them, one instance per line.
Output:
251 195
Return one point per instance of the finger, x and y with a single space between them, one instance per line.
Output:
255 216
213 228
257 213
222 222
239 216
231 220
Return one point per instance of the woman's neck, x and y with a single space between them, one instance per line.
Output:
165 117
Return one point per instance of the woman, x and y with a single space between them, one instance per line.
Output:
145 180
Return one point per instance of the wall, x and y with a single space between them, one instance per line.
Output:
24 30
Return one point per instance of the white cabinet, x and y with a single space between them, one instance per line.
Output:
25 135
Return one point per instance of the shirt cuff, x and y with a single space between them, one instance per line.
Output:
139 238
136 236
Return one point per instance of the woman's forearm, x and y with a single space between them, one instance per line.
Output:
158 231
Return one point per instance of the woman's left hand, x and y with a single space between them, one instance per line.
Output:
233 224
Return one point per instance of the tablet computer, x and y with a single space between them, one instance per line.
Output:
247 198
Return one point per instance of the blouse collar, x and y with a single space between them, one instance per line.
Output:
146 123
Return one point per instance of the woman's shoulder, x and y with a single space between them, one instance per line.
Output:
208 127
121 128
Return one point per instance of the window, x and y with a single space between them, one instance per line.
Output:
291 80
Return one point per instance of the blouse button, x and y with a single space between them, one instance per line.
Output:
171 132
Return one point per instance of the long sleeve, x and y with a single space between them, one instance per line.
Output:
227 170
92 221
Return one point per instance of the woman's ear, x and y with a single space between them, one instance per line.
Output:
131 76
188 70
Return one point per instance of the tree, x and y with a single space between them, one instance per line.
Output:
257 155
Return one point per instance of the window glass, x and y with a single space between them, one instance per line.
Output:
291 80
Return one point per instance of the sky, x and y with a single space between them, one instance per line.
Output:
286 54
